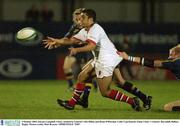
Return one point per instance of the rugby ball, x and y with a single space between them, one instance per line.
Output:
26 34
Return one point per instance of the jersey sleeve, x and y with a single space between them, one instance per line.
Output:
94 35
80 35
168 64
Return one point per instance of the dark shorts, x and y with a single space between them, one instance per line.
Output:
84 57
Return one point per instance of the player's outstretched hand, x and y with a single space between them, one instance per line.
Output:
124 55
51 43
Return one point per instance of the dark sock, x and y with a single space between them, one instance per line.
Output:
70 83
69 77
133 90
95 84
87 90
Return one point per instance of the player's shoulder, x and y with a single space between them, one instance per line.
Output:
96 27
82 31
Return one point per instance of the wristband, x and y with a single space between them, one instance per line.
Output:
142 61
131 58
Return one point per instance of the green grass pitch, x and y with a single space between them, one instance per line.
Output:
24 99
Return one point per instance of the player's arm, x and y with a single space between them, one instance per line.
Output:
125 56
86 48
72 31
66 40
141 60
54 42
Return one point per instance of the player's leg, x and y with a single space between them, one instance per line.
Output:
88 84
104 87
125 65
172 106
94 81
104 77
129 87
79 89
85 76
67 66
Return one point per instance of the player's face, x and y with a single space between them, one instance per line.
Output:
76 19
85 21
174 53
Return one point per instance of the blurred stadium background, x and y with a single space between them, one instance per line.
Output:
148 27
141 27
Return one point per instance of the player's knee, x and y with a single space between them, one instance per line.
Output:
104 93
67 69
120 83
82 76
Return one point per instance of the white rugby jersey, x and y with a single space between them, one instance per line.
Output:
105 50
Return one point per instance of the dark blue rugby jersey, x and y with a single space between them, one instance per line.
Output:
72 31
173 66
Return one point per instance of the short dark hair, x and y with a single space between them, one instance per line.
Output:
90 13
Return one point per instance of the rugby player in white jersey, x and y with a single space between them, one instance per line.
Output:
79 59
106 59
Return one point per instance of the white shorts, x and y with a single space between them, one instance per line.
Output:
105 69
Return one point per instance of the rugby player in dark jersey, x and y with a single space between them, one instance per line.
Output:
172 64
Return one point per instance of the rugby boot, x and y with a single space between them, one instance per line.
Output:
147 102
65 104
83 103
136 105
